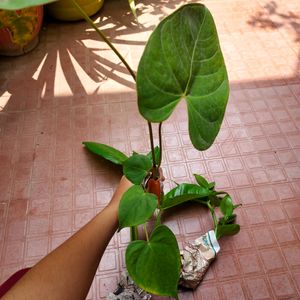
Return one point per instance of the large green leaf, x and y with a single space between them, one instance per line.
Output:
155 265
183 193
136 207
107 152
183 59
19 4
136 167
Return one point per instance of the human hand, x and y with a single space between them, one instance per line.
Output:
123 186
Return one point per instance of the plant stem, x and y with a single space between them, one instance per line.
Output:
155 173
160 142
213 215
91 23
158 219
146 232
134 235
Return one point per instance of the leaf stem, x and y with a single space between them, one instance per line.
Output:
112 47
134 235
160 143
213 215
158 219
155 173
146 232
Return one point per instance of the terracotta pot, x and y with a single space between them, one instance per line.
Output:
20 33
64 10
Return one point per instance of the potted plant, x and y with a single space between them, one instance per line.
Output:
19 28
182 61
21 21
64 10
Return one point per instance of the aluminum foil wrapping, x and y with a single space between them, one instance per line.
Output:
128 290
196 258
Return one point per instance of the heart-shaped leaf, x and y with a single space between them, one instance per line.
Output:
155 265
183 193
136 207
137 167
183 59
107 152
19 4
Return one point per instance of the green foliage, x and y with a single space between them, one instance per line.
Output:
107 152
136 167
136 207
183 59
184 192
225 225
19 4
154 265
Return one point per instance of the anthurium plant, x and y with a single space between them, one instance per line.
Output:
182 61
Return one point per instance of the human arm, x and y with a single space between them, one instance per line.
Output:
68 271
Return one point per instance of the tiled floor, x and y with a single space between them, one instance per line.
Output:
72 88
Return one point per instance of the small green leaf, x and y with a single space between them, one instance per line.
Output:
183 193
19 4
227 229
136 167
136 207
107 152
155 265
156 154
226 206
201 180
211 185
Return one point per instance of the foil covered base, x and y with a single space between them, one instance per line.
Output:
128 290
196 258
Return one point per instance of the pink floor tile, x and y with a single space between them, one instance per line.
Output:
50 186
